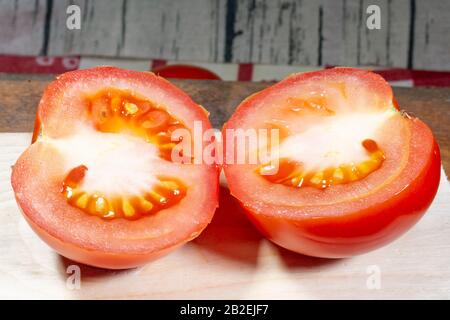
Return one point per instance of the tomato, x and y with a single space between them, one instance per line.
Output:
349 172
98 183
181 71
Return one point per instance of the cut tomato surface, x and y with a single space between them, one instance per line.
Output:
98 183
349 173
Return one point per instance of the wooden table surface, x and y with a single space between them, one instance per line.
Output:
230 259
20 95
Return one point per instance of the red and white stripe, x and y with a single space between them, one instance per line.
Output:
226 71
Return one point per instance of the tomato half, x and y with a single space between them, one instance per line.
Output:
353 172
98 183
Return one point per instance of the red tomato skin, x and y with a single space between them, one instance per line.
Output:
346 236
95 258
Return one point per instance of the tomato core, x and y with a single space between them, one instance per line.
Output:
121 112
322 143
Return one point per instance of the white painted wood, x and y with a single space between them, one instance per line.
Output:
279 32
432 35
22 24
389 45
100 33
374 43
399 18
172 29
305 33
342 21
348 41
229 260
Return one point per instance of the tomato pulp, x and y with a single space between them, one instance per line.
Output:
98 183
351 172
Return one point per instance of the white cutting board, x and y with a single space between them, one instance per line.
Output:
229 260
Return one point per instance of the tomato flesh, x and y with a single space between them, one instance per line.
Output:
354 173
98 184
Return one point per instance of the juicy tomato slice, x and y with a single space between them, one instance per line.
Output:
350 173
98 183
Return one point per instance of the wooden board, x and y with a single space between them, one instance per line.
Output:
21 93
230 259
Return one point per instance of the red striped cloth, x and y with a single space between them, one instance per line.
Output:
226 71
40 64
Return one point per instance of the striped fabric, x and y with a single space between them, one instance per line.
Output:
226 71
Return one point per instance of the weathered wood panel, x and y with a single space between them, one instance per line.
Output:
374 43
341 23
179 30
304 32
279 32
432 35
399 33
22 26
348 41
387 46
101 30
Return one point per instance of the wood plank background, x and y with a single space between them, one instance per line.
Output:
414 33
